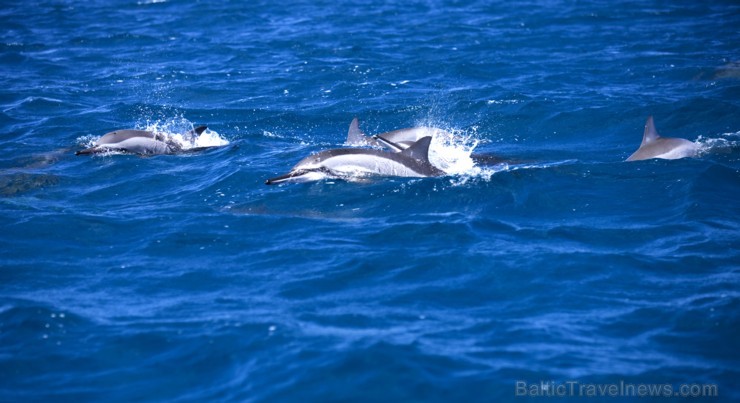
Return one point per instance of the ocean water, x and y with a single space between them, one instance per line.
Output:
185 278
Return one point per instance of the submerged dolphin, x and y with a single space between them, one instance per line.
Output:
142 142
654 146
396 140
347 162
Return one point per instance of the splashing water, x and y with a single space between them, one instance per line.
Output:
719 145
452 150
179 130
182 131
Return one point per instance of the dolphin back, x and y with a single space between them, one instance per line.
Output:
133 145
655 146
122 135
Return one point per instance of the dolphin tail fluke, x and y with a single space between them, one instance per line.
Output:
650 134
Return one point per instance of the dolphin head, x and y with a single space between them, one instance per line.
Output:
311 169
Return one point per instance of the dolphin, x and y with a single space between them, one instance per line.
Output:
396 140
348 162
399 140
141 142
654 146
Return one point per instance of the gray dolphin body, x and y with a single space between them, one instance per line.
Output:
142 142
349 162
655 146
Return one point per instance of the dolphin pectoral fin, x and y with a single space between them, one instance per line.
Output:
388 143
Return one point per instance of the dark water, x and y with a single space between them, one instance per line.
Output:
185 278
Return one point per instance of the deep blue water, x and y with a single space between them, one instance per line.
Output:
185 278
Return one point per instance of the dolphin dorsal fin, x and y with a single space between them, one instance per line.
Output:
650 134
420 149
355 135
200 129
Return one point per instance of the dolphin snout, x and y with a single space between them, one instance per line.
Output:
301 175
282 178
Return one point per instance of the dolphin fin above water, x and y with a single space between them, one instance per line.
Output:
198 130
655 146
356 137
419 150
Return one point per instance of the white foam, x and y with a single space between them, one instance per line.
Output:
87 141
723 145
451 151
181 130
453 155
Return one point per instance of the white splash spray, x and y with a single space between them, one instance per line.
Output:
182 132
451 151
726 144
178 129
